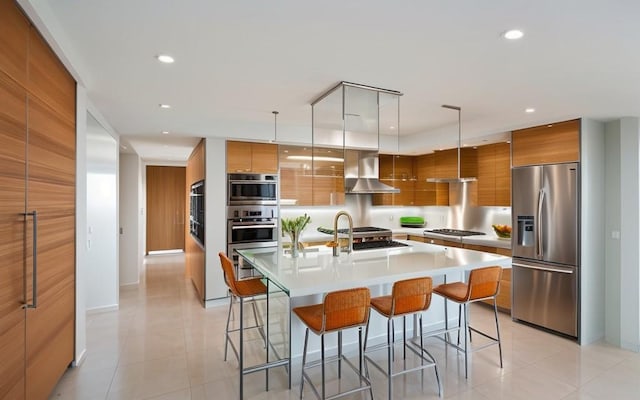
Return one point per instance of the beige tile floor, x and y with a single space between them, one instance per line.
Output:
163 345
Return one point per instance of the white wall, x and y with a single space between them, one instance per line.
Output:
612 246
629 234
131 252
102 217
81 223
215 216
592 217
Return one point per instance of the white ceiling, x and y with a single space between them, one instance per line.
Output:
236 61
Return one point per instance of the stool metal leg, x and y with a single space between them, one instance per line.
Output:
241 352
322 365
339 354
466 340
495 311
304 360
390 357
226 338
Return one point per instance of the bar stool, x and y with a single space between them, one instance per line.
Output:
484 284
339 310
408 297
245 291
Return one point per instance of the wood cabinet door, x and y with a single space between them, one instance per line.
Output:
503 174
14 39
13 123
165 208
547 144
486 175
51 183
264 158
446 163
238 156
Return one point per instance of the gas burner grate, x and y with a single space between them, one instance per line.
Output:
454 232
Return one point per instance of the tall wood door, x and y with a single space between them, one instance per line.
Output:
13 113
165 208
37 173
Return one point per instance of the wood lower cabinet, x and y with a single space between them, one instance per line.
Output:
252 157
547 144
37 173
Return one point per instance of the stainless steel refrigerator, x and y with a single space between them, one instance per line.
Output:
546 243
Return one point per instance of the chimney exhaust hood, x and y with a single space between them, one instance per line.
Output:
458 179
352 117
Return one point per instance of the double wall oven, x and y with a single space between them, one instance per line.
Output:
252 214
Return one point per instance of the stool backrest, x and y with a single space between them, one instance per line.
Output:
228 272
411 295
345 308
484 282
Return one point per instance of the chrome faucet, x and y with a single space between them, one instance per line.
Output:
335 233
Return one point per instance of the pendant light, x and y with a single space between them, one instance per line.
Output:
275 126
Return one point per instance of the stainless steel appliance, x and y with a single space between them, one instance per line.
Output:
546 246
368 237
250 227
252 189
196 211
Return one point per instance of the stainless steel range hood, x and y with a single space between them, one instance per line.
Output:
361 169
352 117
458 179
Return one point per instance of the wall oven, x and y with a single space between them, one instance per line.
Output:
250 227
252 189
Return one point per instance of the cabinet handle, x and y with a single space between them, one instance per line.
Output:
34 286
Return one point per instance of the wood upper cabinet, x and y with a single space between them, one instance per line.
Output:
547 144
397 171
494 175
252 157
429 193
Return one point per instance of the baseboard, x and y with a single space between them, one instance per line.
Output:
80 359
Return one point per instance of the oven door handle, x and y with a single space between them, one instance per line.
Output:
253 226
250 182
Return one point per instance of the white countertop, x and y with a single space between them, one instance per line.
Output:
490 240
316 271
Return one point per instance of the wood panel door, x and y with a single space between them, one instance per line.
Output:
50 329
165 208
547 144
13 113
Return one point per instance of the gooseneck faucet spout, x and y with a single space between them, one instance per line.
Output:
336 248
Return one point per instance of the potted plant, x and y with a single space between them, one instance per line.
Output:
294 227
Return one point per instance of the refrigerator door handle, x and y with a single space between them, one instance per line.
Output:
539 227
547 269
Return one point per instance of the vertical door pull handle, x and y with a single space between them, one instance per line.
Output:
34 286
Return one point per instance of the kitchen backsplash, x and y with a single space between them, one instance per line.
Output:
364 214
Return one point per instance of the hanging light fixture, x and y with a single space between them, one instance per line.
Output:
275 126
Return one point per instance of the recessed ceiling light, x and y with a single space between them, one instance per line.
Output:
165 132
530 110
164 105
513 34
165 58
392 127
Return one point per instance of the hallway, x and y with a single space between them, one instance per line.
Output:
163 345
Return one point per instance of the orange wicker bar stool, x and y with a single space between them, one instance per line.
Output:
340 310
245 291
483 284
408 297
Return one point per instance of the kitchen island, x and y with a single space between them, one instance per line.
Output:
305 279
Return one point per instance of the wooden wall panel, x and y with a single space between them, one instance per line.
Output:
14 39
165 208
194 254
547 144
13 128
